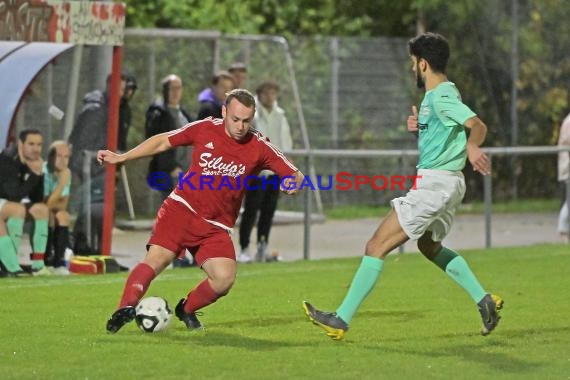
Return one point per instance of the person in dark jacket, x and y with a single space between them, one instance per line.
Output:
212 98
21 181
165 115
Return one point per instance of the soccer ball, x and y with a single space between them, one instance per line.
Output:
153 314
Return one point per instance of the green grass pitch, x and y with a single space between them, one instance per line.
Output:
416 324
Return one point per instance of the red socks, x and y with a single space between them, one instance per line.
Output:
201 296
137 285
141 277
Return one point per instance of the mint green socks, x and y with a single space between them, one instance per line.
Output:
15 228
8 254
370 268
362 283
457 268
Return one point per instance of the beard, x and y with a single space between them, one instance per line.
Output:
419 80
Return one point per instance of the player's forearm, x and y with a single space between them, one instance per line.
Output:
478 133
153 145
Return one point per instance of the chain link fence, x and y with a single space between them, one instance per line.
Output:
354 93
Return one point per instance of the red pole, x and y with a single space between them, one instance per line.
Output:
112 136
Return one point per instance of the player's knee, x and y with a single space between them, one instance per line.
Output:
14 210
374 248
158 258
428 248
39 211
223 283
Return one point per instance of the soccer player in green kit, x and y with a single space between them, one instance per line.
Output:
426 212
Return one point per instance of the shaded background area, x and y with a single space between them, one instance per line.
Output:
511 65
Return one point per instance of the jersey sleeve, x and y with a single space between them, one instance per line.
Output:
451 110
187 134
274 160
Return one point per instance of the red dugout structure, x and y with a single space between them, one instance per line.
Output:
35 32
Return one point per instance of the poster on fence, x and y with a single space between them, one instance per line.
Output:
79 22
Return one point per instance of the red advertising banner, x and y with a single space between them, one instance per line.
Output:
79 22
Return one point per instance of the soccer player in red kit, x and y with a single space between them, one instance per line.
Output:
201 211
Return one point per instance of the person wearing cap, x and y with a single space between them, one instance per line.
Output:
90 134
125 114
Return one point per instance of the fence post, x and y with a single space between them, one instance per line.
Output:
307 216
488 194
402 165
567 204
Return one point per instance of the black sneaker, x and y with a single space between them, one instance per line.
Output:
189 319
489 308
333 325
120 318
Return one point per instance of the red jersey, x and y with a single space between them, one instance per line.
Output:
213 187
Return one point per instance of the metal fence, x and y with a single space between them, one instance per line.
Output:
486 188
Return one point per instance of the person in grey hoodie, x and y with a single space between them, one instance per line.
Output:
90 133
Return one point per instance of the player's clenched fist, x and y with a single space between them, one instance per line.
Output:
413 120
108 157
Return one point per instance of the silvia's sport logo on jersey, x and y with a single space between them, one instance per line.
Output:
216 166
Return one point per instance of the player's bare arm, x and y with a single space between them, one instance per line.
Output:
155 144
476 156
291 185
55 201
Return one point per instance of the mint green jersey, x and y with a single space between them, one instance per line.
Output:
442 137
51 182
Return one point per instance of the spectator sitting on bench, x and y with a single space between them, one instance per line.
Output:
57 181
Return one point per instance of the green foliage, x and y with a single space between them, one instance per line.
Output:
288 18
422 323
225 16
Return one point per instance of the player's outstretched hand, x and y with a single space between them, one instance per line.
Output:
413 120
106 156
289 186
478 159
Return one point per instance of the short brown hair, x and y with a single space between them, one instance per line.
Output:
30 131
238 66
267 85
241 95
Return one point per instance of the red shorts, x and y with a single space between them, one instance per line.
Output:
177 228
